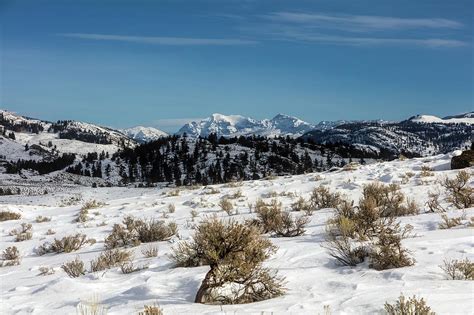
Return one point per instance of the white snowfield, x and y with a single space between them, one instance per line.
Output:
461 119
313 279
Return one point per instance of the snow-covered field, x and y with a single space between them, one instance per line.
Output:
313 279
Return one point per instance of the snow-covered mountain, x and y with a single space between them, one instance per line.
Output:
143 134
467 118
236 125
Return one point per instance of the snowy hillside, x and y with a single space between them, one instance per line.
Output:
467 118
61 137
393 138
144 134
315 283
236 125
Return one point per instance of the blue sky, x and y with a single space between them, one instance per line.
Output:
162 63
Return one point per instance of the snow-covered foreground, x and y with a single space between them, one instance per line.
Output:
312 277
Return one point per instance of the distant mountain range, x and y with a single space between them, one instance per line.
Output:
420 134
287 145
236 125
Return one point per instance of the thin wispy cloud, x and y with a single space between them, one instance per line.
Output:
171 41
361 22
376 41
357 30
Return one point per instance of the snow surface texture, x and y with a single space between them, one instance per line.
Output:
312 277
144 134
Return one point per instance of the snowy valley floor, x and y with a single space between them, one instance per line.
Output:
313 279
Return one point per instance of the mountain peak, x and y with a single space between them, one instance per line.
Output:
144 134
237 125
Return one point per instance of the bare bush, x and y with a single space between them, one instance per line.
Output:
302 205
322 197
110 258
50 232
151 310
10 257
451 222
226 205
458 269
67 244
433 203
24 233
235 253
387 252
171 208
460 193
74 268
45 271
268 215
135 231
8 215
41 219
84 212
91 307
389 199
426 171
150 251
289 227
410 306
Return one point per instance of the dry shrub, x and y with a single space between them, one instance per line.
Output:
226 205
234 184
92 307
236 195
8 215
41 219
84 212
389 199
235 253
151 310
194 214
211 191
135 231
288 227
355 233
45 271
129 267
111 258
458 269
150 251
74 268
387 251
24 233
302 205
426 171
67 244
271 219
50 232
171 208
451 222
433 202
173 193
341 246
10 257
410 306
82 216
322 198
460 193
